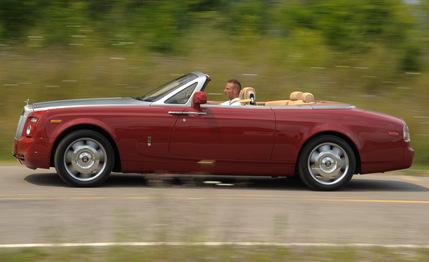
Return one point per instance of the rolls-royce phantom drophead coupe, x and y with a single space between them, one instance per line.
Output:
174 129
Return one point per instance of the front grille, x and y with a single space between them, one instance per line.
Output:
21 122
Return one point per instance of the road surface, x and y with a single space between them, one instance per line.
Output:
36 207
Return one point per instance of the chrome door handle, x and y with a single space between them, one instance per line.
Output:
186 113
194 113
175 112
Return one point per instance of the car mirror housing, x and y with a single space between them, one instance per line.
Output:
198 99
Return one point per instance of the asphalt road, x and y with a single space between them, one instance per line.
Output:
36 207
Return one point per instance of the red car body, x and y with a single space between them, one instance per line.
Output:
243 140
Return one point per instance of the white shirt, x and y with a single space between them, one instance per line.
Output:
232 102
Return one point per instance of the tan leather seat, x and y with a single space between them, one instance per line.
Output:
295 95
247 96
302 99
295 98
308 98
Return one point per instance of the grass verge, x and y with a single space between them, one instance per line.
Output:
415 170
223 253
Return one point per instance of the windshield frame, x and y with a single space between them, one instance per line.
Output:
168 88
202 80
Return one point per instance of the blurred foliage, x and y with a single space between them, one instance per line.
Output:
161 26
373 53
350 24
344 24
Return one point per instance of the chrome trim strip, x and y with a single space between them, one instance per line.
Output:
236 107
84 106
333 107
318 107
186 113
207 162
291 107
194 113
280 107
171 105
203 106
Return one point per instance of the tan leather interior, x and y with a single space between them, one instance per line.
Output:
295 95
303 98
247 96
277 103
295 98
308 98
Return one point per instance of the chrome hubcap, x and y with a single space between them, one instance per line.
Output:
85 159
328 163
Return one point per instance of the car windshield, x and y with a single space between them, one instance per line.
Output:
167 88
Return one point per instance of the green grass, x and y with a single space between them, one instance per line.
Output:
415 170
8 162
224 254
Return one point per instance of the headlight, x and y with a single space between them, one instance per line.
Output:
32 122
28 130
407 137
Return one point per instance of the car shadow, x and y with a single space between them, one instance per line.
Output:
116 180
139 180
384 185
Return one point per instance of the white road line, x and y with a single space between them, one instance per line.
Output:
273 244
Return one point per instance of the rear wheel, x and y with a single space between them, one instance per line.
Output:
327 162
84 158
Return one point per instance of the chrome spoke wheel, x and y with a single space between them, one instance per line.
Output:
85 159
328 163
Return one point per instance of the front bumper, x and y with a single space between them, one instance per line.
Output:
33 153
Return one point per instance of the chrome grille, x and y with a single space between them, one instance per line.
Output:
21 122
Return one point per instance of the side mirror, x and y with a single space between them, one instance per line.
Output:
198 99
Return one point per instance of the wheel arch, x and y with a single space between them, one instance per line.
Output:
340 135
69 130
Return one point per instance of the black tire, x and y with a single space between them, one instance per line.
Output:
305 163
104 145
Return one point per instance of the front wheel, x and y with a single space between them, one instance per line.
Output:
84 158
327 162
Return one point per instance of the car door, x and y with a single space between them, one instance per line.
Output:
145 133
147 138
222 133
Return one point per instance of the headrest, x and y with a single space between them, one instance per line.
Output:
307 97
296 95
248 93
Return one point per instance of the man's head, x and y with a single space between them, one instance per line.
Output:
232 88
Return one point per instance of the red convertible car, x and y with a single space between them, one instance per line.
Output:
174 129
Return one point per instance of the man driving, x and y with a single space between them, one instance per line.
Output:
232 90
